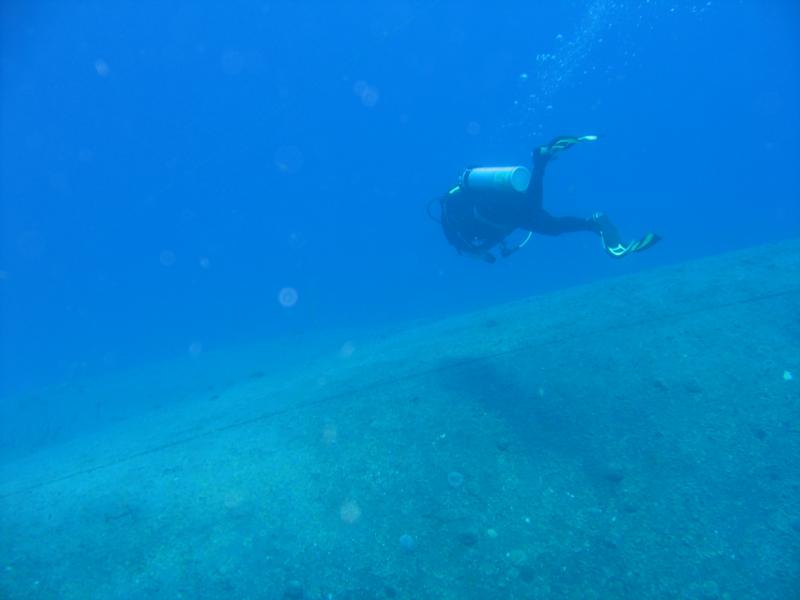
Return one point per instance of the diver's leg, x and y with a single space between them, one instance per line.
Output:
546 224
599 224
535 191
543 155
612 242
607 230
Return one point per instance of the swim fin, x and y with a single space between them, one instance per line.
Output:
612 242
562 143
620 250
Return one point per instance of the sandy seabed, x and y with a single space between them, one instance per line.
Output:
635 438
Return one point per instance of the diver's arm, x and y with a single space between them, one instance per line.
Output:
474 248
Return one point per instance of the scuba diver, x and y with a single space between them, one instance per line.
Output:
490 203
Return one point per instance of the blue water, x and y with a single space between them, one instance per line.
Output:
168 169
238 360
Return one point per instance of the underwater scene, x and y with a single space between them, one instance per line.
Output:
400 300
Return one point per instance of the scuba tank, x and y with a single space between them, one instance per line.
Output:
500 179
458 212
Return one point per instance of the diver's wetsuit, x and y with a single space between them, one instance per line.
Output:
536 219
476 220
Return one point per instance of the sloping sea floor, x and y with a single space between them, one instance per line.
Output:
636 438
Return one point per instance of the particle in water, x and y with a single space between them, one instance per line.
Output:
167 258
294 591
368 94
297 240
288 159
613 473
787 376
347 350
330 434
287 297
407 542
101 67
517 557
491 533
455 479
468 538
350 512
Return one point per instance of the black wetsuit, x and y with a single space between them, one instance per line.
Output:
474 221
536 219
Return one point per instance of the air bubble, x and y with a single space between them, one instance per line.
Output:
350 512
167 258
287 297
101 67
368 94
